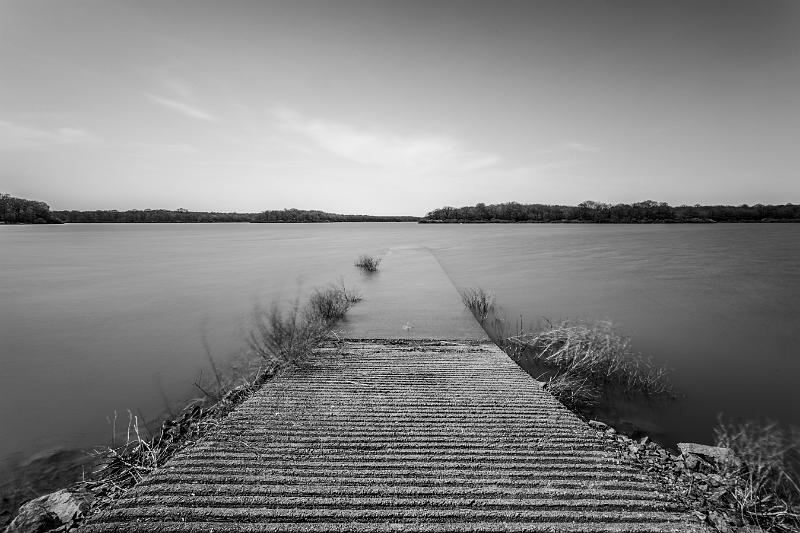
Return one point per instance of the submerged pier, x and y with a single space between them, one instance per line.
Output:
414 422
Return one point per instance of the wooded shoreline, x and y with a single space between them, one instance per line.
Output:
22 211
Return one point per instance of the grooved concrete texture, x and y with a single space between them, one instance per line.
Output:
399 436
410 297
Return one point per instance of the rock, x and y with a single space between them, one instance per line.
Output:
716 496
5 519
691 461
638 426
596 424
750 529
33 518
50 511
717 453
719 522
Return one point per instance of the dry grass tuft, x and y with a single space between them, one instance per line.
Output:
764 485
330 305
368 263
574 391
479 302
595 351
287 336
124 464
280 337
586 355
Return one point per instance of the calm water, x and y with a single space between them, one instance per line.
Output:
98 318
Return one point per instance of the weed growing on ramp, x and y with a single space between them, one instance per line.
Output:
479 302
368 263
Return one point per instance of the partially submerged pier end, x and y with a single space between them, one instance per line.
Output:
400 433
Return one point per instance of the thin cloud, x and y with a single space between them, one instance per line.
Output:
581 147
422 153
151 149
14 135
183 108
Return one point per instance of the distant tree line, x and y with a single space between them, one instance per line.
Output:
151 216
300 215
20 211
595 212
184 216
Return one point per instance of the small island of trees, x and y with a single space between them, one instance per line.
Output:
646 212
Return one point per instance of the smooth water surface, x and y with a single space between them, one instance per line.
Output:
102 318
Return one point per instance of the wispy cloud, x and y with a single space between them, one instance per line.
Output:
150 149
14 136
184 108
420 153
581 147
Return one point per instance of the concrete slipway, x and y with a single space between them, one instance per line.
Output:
408 431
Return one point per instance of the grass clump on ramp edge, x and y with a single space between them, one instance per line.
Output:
280 337
595 351
578 360
286 336
328 306
574 391
479 302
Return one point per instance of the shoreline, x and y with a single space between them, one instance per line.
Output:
371 363
629 222
690 478
116 471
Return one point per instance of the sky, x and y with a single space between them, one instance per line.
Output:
398 107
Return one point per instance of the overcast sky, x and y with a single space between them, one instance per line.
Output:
398 107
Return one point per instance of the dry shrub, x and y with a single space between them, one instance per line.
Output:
584 355
287 336
574 391
595 351
368 263
330 305
479 302
124 464
280 337
764 484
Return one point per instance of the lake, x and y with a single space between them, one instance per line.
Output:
97 319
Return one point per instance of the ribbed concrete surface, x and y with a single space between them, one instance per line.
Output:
380 436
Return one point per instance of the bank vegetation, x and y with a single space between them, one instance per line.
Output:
603 213
749 481
281 337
